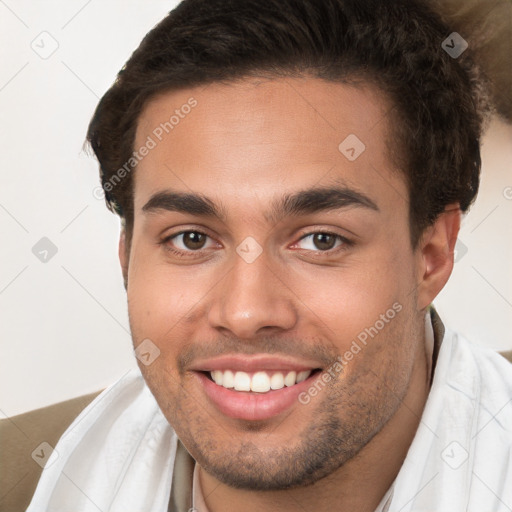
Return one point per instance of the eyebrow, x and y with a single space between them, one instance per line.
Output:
193 204
299 203
320 199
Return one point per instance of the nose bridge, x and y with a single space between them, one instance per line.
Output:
250 298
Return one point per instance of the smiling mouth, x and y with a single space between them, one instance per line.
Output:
258 382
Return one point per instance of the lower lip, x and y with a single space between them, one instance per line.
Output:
252 406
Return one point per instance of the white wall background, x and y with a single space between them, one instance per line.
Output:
63 325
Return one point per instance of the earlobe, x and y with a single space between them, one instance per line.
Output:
435 253
123 256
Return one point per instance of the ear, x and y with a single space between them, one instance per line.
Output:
123 256
435 253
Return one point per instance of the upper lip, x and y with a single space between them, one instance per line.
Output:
253 363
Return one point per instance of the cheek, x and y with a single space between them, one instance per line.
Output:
344 301
162 298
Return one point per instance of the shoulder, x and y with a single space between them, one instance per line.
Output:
478 362
492 366
120 438
485 377
25 440
28 440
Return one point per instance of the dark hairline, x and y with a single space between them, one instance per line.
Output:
355 79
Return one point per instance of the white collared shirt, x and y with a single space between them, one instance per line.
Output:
118 455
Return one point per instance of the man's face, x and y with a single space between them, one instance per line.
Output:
272 252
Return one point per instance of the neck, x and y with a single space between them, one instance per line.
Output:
360 484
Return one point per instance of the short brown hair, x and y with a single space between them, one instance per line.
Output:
396 45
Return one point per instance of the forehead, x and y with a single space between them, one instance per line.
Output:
249 140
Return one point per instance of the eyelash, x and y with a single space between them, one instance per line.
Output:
346 243
180 253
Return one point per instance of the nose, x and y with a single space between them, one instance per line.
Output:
252 300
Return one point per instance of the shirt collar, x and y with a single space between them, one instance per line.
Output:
186 493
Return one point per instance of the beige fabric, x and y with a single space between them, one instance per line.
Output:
181 489
19 437
507 355
22 434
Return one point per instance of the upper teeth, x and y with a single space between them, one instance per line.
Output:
261 382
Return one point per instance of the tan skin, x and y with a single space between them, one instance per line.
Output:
244 146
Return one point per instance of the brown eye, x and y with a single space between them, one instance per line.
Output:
194 240
324 241
191 243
